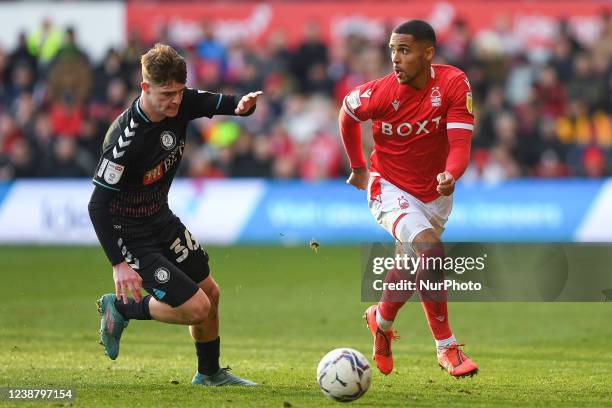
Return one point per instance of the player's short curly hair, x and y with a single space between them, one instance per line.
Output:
162 65
419 29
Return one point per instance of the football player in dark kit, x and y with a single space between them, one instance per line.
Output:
145 242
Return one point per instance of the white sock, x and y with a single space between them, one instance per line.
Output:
385 325
442 344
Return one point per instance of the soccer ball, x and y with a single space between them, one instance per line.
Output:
344 374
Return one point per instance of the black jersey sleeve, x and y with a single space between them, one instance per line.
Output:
117 151
101 219
197 103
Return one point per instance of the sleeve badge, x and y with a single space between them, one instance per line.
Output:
113 173
468 102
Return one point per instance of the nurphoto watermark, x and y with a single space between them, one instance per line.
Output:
543 272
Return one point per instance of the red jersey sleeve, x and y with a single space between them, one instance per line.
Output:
460 111
358 103
459 126
356 107
350 130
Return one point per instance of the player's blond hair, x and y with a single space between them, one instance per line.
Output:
162 65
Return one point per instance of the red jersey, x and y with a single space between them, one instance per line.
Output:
410 126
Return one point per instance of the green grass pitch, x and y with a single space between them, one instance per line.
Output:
282 309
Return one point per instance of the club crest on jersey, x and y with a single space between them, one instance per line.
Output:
395 104
436 97
113 172
162 275
168 140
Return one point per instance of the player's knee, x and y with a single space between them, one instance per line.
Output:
198 310
211 289
432 272
435 253
200 313
427 243
428 246
433 262
213 294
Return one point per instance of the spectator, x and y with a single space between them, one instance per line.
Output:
44 42
68 160
112 68
22 161
21 57
550 93
593 162
550 166
455 47
312 51
70 74
584 85
543 114
212 58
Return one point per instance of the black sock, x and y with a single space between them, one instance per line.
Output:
134 310
208 356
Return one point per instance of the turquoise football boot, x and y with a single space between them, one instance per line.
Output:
221 378
112 324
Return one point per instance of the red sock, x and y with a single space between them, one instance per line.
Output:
388 310
435 301
393 300
437 317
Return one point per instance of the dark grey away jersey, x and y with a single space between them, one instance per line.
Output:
140 158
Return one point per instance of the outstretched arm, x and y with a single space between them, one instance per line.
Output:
247 103
198 103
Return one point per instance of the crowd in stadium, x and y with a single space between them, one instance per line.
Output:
544 113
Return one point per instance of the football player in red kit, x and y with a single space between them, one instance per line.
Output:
422 124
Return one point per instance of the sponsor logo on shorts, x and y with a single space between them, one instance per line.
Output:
162 275
159 294
168 140
153 174
113 172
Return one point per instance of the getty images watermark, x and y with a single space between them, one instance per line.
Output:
409 265
465 272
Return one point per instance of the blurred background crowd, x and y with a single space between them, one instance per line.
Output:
544 113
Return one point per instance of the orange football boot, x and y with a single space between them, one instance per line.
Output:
453 360
382 341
